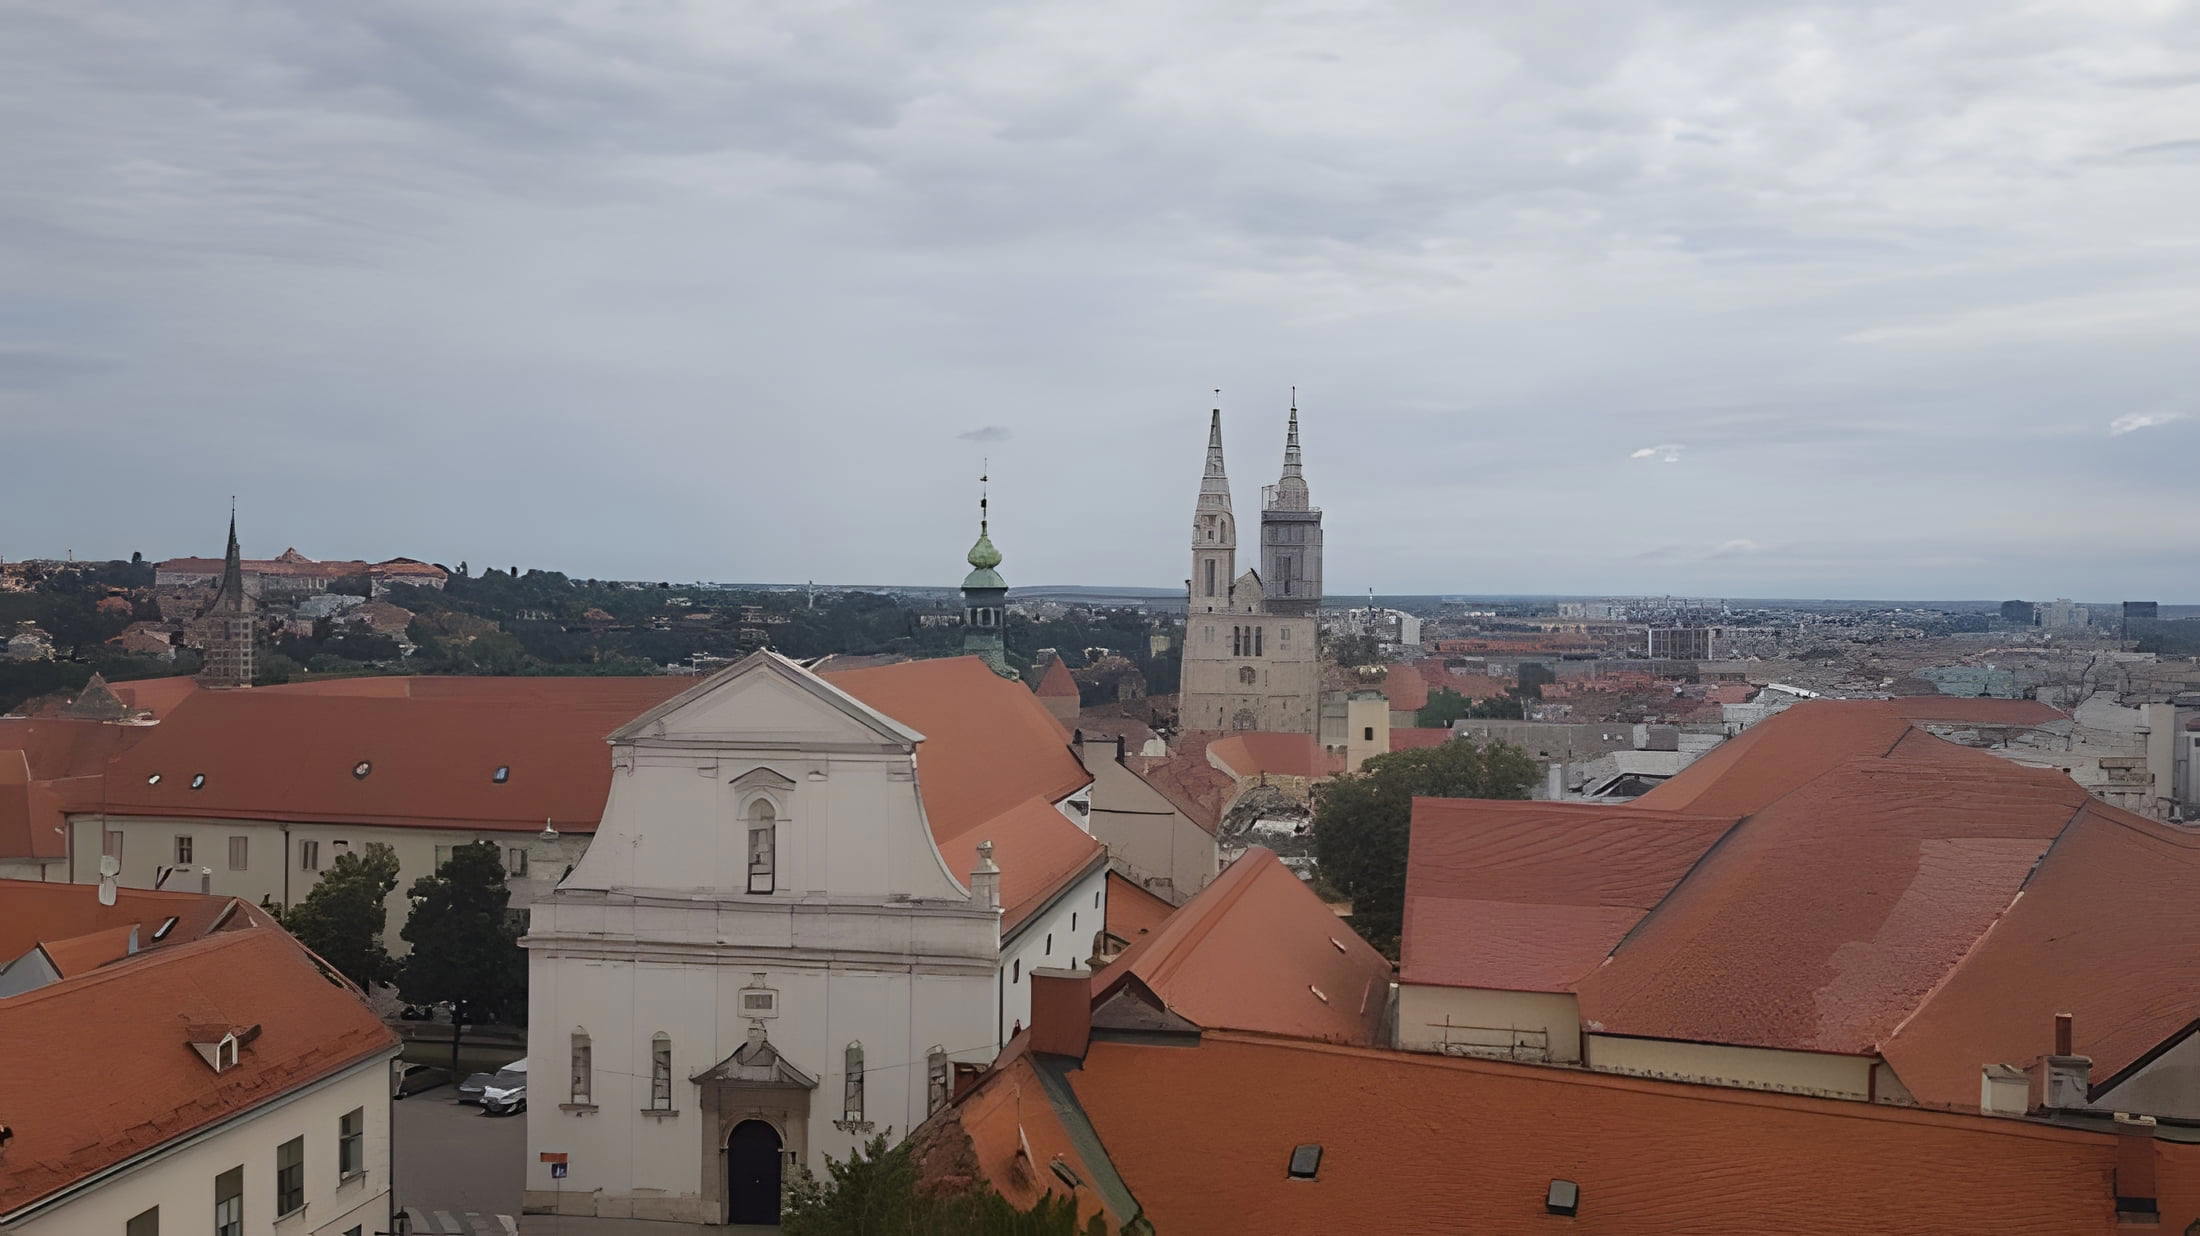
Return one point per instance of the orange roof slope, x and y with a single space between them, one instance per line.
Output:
1530 896
1036 847
158 696
1417 1144
1822 921
1014 1129
1405 688
1778 754
1257 950
80 954
1133 911
431 760
32 911
989 744
99 1068
1056 681
1416 739
1253 753
2105 931
1186 778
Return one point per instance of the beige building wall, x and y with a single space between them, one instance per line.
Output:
1367 728
30 869
179 1178
1541 1026
275 856
1755 1068
1278 691
1148 839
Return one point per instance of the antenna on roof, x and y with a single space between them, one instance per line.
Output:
109 867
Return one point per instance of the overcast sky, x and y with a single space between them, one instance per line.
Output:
1726 297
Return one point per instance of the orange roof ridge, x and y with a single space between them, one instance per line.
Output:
1056 681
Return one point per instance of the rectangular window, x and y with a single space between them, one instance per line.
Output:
583 1068
851 1094
443 855
183 850
240 853
1258 640
515 861
935 1081
290 1176
1367 733
1210 577
229 1203
660 1074
309 856
351 1136
147 1224
110 844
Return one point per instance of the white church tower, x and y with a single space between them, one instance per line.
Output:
761 960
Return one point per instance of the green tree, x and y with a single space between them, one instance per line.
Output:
343 918
879 1191
1446 706
1361 820
465 943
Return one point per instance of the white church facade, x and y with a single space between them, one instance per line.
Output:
808 899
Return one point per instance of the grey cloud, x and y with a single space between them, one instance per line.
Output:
986 433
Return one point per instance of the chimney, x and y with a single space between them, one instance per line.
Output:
2135 1190
2061 1081
2003 1090
1554 785
1061 1012
985 879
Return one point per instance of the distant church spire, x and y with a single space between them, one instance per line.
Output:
985 593
226 629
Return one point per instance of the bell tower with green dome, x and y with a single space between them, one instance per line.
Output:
985 598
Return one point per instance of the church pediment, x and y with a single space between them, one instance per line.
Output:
766 699
757 1063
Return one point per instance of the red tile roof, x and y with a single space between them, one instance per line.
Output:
98 1067
1201 1136
1406 738
32 912
1257 950
1192 785
37 757
1405 688
81 954
1012 1133
1133 911
1056 681
1037 849
1252 753
1531 896
1881 892
158 696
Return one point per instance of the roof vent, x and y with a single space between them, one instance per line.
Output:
1318 993
198 781
153 780
1306 1161
502 774
1564 1198
1063 1173
167 925
360 770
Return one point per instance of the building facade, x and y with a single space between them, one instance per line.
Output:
1252 658
226 629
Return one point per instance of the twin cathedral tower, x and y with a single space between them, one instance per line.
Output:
1252 658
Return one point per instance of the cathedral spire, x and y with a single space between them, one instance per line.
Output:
1291 438
985 593
232 597
1214 481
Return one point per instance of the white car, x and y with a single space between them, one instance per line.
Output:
506 1093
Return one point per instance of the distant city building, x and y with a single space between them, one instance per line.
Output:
30 642
291 572
1683 643
2139 613
1393 628
2019 613
226 629
1251 655
1593 611
2063 614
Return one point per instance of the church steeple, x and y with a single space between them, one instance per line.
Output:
1291 533
985 593
227 628
1214 528
1290 493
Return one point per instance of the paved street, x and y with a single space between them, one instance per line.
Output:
459 1170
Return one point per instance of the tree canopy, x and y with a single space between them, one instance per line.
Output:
465 944
1361 820
1446 706
343 918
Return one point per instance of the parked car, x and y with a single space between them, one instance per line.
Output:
469 1091
414 1078
506 1093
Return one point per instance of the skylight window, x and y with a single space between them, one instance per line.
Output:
1563 1199
153 780
502 774
1339 943
198 781
360 770
1063 1173
1306 1161
167 925
1319 994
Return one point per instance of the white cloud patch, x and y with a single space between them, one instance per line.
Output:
2132 422
1669 452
